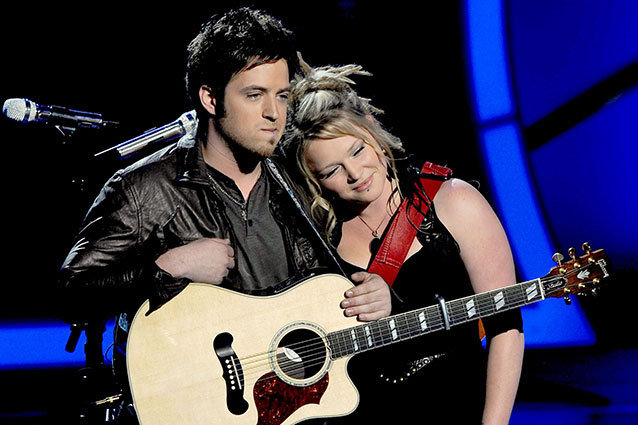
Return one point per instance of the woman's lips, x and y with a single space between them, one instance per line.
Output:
364 184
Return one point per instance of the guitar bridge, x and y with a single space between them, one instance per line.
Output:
233 373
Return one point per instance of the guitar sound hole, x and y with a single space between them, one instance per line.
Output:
302 354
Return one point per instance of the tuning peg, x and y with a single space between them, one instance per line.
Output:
587 248
596 283
567 293
594 290
572 252
558 258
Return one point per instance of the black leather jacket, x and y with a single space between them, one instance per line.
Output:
158 203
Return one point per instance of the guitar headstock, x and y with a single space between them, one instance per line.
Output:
578 276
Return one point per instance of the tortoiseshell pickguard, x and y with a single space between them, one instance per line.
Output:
276 400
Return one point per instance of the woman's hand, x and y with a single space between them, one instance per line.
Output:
370 300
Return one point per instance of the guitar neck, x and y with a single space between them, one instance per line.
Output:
404 326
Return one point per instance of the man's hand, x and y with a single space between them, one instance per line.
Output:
370 300
204 260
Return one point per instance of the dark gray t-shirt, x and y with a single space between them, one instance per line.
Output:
260 254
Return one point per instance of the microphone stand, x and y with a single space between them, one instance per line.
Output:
94 390
93 402
95 378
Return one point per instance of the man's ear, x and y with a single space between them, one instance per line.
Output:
208 99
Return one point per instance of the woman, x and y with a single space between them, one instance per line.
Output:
348 163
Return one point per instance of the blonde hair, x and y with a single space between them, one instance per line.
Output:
323 105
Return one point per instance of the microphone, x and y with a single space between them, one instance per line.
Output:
186 123
26 111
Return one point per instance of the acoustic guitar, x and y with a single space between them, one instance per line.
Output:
214 356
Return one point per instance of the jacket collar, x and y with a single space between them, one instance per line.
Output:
191 167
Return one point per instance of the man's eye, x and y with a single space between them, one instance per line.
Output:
253 95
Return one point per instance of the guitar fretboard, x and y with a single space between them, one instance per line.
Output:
404 326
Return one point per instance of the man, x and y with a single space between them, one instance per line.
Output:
207 209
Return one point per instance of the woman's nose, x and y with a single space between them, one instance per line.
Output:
353 171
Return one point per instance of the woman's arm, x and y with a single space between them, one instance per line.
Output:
487 256
504 363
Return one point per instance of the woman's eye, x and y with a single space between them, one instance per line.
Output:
358 150
329 173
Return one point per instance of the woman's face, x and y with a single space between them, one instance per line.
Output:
348 167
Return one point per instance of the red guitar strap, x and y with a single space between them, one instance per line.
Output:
399 237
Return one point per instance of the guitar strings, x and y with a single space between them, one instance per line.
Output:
319 344
319 350
457 311
316 354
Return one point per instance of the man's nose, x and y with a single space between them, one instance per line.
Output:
271 109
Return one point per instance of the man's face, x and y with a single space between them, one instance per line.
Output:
255 103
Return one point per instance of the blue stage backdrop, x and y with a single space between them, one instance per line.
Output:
524 65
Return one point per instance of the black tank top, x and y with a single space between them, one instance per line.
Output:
440 376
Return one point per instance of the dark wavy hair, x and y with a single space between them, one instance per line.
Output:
227 44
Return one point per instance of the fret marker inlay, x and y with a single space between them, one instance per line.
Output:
424 325
499 300
469 306
531 291
393 329
354 340
369 336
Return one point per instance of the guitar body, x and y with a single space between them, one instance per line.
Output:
214 356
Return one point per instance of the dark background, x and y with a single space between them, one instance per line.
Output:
126 61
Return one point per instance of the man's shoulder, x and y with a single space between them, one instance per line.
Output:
160 165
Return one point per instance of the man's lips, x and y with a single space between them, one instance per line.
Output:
271 133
